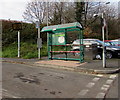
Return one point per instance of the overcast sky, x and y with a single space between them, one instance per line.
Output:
13 9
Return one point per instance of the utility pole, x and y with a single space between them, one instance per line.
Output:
103 36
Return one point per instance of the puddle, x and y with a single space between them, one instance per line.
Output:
60 77
50 75
18 75
59 92
45 89
52 92
41 73
30 79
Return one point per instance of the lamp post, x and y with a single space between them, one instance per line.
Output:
103 37
103 34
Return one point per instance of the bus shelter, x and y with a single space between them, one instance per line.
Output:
60 39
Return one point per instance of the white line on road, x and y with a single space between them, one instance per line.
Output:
4 90
107 86
109 81
100 95
99 75
6 94
83 92
90 85
113 76
104 88
95 79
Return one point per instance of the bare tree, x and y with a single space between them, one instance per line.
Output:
35 11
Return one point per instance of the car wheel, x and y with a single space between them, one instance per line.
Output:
98 56
76 54
108 55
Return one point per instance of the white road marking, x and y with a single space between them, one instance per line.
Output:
104 88
109 81
4 90
113 76
107 86
0 95
100 95
83 92
95 79
6 94
90 85
99 75
59 74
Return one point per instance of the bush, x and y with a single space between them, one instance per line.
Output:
27 50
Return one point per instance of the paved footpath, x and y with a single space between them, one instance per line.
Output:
93 66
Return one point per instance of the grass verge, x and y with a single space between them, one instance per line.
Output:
27 50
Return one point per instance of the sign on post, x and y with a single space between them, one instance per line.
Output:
37 23
17 27
39 42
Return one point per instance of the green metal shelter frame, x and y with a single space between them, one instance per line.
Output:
57 36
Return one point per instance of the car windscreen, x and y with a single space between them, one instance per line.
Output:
102 43
108 44
116 42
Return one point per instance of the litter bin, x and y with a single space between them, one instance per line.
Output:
90 51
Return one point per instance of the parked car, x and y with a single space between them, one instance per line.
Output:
111 50
85 42
113 42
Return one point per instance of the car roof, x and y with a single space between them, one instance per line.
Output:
87 39
90 39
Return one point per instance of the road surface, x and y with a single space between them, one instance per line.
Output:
25 81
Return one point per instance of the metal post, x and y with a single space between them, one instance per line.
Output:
107 32
47 13
65 32
107 24
103 36
39 38
48 35
18 43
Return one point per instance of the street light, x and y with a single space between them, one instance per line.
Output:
103 34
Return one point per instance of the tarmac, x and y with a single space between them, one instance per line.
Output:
88 66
